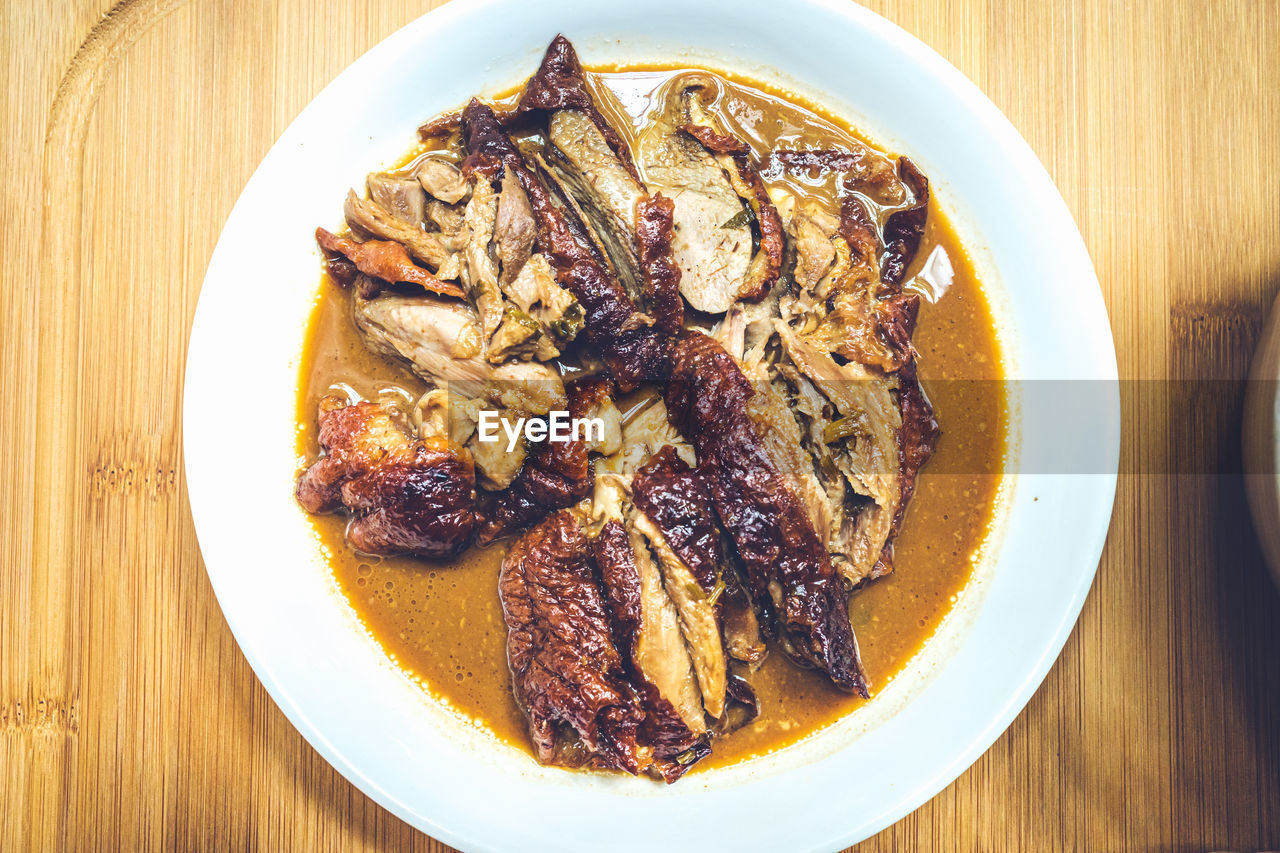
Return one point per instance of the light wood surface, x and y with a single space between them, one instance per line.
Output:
128 717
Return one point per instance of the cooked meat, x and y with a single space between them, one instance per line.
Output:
481 274
514 228
655 231
677 501
852 413
445 125
648 632
588 158
541 318
763 467
649 454
446 217
567 675
402 196
747 327
560 84
603 189
904 227
442 179
575 219
631 346
862 169
734 157
438 251
646 433
520 336
615 327
812 231
556 474
742 638
774 415
536 292
413 497
386 261
676 517
862 320
437 413
851 429
789 572
713 240
440 341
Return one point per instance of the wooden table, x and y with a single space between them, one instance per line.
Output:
131 721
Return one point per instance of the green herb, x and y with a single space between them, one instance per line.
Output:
739 219
842 429
716 592
515 315
567 326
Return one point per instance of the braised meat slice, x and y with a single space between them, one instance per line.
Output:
848 288
675 515
514 228
860 169
404 197
905 227
623 335
567 675
734 157
713 241
560 84
722 208
846 366
789 572
406 497
852 424
588 157
647 628
652 456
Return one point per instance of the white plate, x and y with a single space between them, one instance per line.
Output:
448 778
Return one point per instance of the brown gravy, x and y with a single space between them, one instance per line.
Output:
443 624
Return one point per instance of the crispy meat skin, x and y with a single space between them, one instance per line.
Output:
406 497
757 285
631 346
862 169
662 728
707 400
565 668
677 499
560 84
385 260
715 141
904 228
655 228
554 476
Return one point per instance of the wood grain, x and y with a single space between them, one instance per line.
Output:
128 718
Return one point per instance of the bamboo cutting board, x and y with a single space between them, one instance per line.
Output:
128 717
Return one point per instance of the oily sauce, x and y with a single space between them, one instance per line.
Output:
442 623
